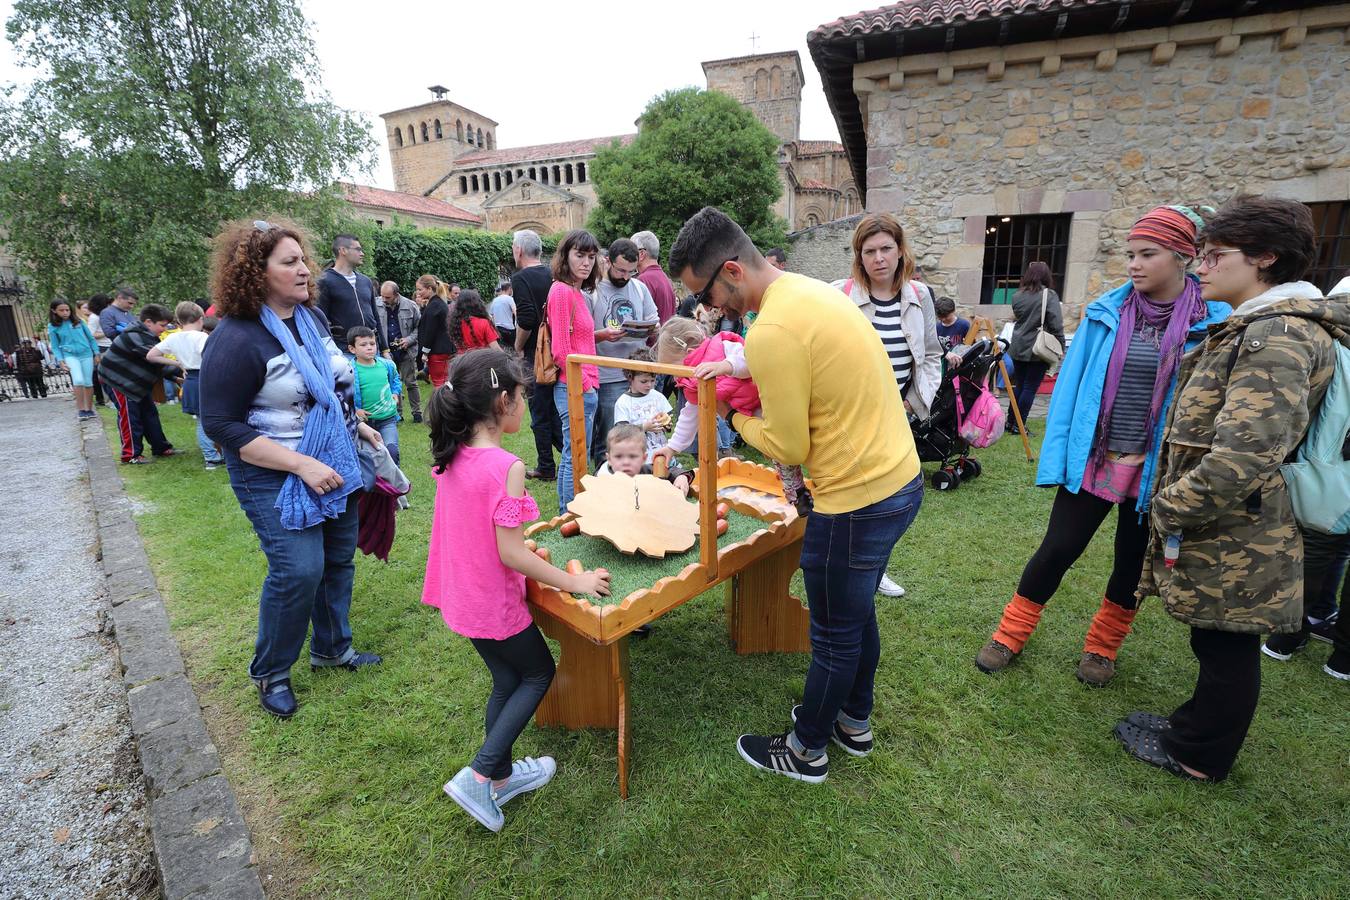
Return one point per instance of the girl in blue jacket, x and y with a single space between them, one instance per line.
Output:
76 351
1102 435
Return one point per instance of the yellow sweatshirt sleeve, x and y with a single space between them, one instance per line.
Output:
784 433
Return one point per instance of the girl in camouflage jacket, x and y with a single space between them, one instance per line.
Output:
1225 552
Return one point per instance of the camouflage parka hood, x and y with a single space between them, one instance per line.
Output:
1244 400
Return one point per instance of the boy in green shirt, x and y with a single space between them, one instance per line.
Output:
377 387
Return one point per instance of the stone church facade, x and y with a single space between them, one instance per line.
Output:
1005 132
447 152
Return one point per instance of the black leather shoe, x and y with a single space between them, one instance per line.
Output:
536 475
278 699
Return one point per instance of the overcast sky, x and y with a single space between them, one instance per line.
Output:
545 71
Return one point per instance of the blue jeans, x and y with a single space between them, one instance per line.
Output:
608 395
843 559
309 578
589 402
724 436
388 429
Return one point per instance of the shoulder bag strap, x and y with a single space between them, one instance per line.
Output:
1045 298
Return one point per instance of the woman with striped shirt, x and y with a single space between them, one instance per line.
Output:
901 310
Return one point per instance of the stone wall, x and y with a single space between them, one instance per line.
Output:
545 218
823 252
418 163
1104 127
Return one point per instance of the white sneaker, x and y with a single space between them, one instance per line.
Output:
889 588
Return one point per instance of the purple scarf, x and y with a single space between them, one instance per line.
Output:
1166 325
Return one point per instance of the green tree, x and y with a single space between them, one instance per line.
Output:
694 148
153 122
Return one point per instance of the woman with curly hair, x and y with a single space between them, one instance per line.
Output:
277 396
470 326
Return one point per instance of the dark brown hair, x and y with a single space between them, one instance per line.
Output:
881 223
1037 277
472 393
53 319
1258 225
583 241
239 265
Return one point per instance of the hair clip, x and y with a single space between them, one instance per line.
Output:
493 374
681 341
448 385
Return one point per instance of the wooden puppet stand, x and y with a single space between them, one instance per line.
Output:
981 327
592 688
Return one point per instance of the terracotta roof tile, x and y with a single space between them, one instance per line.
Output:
818 148
914 13
415 204
813 184
538 151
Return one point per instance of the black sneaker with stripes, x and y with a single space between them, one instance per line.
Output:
772 754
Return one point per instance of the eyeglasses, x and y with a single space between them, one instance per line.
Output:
702 296
1211 259
262 225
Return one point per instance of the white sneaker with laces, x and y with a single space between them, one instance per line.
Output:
889 588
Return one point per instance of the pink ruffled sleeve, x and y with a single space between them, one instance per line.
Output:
512 511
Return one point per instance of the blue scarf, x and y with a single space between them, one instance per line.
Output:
325 437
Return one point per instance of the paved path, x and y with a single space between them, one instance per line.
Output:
72 798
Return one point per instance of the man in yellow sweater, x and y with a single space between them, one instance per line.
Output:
829 404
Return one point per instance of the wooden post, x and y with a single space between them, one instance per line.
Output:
576 419
707 475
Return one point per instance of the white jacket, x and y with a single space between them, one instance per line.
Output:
916 318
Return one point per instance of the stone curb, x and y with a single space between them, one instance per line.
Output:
202 845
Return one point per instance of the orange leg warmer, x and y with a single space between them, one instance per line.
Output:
1019 621
1108 629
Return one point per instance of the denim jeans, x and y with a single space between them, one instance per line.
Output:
522 669
1026 378
608 395
589 401
309 578
724 435
207 446
388 429
843 559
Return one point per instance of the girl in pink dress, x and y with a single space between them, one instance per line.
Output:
476 568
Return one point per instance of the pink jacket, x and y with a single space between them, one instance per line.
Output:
565 301
741 393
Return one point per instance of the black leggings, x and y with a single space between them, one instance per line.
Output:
1074 519
522 669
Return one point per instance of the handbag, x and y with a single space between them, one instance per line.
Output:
984 422
1047 348
545 366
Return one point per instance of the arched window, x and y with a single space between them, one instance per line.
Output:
543 174
463 184
412 135
812 221
398 136
761 83
459 131
438 130
474 181
568 172
581 172
533 174
492 142
480 137
425 134
510 177
557 174
775 82
496 181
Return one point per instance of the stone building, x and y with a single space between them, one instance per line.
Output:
1006 131
448 152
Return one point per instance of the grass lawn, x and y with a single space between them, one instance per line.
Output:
980 786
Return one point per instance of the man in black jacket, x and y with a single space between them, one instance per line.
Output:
529 286
131 380
346 296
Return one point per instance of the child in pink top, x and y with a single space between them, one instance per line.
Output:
722 357
477 564
572 330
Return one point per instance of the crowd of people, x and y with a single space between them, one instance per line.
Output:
1181 395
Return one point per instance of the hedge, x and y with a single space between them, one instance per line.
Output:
471 258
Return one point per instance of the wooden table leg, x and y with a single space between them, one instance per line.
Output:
762 614
590 689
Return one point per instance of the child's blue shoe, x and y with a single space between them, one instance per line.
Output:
526 775
477 799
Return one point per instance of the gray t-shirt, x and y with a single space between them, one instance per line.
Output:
611 307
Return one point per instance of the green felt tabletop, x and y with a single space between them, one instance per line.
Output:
629 573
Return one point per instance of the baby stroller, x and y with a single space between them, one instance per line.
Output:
937 437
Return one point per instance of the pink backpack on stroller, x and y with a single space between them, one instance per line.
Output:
983 424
